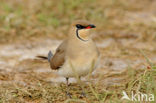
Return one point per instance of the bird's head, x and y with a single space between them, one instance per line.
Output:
81 29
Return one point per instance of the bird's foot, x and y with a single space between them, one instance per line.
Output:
83 94
69 94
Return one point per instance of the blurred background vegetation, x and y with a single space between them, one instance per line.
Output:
29 18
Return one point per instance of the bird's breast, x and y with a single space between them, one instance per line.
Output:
79 59
83 54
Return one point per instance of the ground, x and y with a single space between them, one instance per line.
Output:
125 36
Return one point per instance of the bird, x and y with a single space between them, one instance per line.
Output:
77 55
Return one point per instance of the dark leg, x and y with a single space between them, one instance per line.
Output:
67 84
83 94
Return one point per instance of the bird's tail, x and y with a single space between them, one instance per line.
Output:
42 57
50 55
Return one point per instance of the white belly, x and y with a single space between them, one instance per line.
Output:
73 69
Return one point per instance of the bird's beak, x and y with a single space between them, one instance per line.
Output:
92 26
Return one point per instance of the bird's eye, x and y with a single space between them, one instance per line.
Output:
79 26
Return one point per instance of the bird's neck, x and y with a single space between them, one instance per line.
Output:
80 36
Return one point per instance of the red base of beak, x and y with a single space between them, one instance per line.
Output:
88 27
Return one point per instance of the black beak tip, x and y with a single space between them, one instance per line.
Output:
92 26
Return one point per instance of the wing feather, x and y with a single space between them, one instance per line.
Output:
59 57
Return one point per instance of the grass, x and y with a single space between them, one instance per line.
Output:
53 17
121 21
40 91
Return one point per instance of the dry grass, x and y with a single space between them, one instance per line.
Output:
124 28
